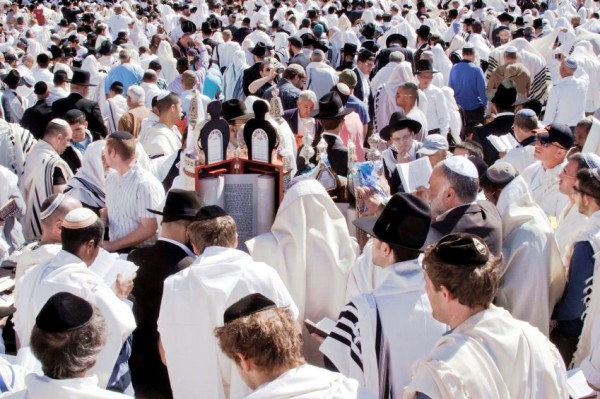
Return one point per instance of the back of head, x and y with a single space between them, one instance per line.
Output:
80 227
60 77
117 88
165 103
150 76
188 80
56 207
526 119
212 228
55 127
136 94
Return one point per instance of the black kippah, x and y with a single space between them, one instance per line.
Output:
121 135
210 212
247 306
64 312
462 249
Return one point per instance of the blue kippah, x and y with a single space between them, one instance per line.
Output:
571 63
526 112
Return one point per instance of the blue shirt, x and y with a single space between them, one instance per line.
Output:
128 74
360 108
571 306
468 83
213 84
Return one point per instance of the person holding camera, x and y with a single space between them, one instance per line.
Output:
269 71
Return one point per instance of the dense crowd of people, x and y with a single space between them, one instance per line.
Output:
464 134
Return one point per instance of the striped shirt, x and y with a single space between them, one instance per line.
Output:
128 199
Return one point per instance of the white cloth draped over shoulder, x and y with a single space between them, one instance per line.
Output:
67 273
15 144
364 276
88 183
42 387
491 355
533 278
592 143
167 62
311 248
36 183
385 98
192 306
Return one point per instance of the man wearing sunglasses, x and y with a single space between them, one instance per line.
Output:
569 310
542 177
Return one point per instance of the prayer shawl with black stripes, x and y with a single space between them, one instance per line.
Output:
15 144
380 335
36 183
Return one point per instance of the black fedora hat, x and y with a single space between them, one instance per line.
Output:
260 50
350 49
398 121
309 39
424 31
56 52
234 109
330 107
396 37
506 94
505 17
424 65
80 78
404 222
107 47
12 78
180 204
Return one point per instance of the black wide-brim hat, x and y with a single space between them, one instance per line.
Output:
180 204
12 78
260 50
331 107
404 222
234 109
398 124
396 37
424 66
350 49
80 78
505 96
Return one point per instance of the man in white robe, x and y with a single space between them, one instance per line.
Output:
195 299
264 342
45 173
81 234
533 277
380 334
542 177
524 128
15 144
487 354
310 247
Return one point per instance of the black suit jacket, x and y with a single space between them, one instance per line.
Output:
36 118
156 263
480 218
250 75
90 108
498 127
337 153
358 92
241 34
383 57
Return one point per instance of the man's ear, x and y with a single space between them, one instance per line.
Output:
245 364
446 294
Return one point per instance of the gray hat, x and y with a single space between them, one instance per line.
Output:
501 172
434 143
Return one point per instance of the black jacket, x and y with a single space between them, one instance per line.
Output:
383 57
250 75
36 118
156 263
498 127
241 34
90 108
358 92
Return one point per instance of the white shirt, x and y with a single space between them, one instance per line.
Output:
306 126
417 115
43 75
437 110
543 185
42 387
225 53
520 157
567 101
118 23
151 90
128 199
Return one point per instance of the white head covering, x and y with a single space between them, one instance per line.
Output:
453 113
88 183
441 62
167 62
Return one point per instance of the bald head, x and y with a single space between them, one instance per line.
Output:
53 211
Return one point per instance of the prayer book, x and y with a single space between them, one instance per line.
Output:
415 174
108 265
6 283
578 386
503 143
9 209
323 328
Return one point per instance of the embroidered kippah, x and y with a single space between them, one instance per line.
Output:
247 306
53 206
501 172
64 312
79 218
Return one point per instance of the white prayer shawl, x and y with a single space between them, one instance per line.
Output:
543 185
167 62
533 59
310 247
160 143
320 78
310 382
364 276
591 364
592 143
67 273
398 316
569 226
591 233
520 157
33 257
491 355
385 98
36 183
232 78
453 113
192 306
441 63
336 40
404 29
533 277
587 60
42 387
15 144
112 111
382 76
91 64
88 183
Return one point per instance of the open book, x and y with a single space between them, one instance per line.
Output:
9 209
108 265
323 328
503 143
248 198
415 174
578 386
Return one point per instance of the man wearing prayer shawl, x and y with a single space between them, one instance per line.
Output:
487 353
310 247
45 173
15 144
533 277
380 334
195 299
69 271
264 342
